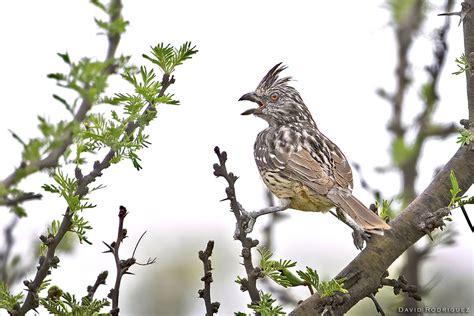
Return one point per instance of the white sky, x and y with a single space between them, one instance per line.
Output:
338 52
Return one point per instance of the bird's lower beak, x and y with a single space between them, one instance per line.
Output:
251 96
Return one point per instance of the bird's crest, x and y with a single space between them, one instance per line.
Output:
271 79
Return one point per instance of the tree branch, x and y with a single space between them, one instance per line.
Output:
211 307
91 289
52 159
468 26
371 264
122 266
253 273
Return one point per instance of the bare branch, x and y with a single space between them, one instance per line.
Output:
91 289
253 273
377 305
23 197
401 284
381 252
211 307
120 265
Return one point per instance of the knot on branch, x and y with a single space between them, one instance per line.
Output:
330 303
244 284
47 240
257 273
464 123
205 293
401 285
433 220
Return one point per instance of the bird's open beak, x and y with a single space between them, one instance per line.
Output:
251 96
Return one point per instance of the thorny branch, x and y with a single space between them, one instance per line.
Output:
253 273
121 266
205 255
82 189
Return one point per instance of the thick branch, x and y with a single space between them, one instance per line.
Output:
468 24
371 264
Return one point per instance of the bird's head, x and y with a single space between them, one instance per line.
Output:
278 103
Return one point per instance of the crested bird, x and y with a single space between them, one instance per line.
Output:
299 164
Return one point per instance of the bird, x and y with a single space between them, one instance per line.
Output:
299 164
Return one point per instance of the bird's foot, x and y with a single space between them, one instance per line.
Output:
360 236
247 219
246 222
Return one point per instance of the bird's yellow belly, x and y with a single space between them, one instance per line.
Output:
301 197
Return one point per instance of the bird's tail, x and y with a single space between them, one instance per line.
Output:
364 218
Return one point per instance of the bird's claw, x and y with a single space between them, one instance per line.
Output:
246 222
360 236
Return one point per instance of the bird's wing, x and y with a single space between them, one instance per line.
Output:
342 169
319 166
305 168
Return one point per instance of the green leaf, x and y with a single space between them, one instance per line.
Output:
99 4
386 212
463 65
455 190
64 102
265 306
168 58
310 276
57 76
65 58
7 300
401 152
331 287
465 137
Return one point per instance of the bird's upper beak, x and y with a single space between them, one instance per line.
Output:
251 96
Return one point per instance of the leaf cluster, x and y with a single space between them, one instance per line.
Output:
463 65
9 301
385 209
465 137
279 272
168 57
456 199
65 304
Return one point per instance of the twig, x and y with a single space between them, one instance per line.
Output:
91 289
5 253
121 266
401 285
377 305
253 273
467 218
23 197
211 307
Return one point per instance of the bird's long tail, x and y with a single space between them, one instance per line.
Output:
364 218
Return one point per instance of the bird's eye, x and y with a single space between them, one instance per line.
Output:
274 97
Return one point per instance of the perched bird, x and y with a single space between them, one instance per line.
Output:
300 165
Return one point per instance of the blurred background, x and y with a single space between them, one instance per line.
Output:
343 57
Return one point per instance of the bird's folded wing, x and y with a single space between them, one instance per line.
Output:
302 167
342 169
